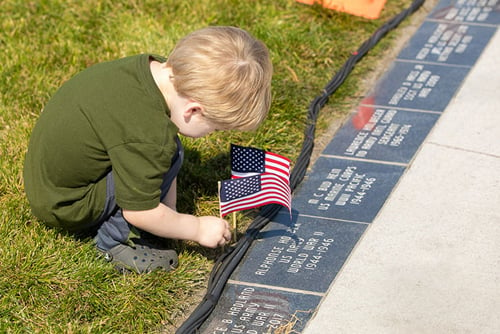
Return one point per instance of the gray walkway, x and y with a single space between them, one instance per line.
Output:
430 261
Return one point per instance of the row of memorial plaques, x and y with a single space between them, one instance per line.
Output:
292 263
285 273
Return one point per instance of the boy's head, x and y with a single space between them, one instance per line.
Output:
228 72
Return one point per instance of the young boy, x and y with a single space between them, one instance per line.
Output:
104 154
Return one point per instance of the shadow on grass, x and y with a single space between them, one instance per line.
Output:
197 180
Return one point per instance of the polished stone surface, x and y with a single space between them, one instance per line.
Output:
304 253
448 43
251 309
390 135
419 86
346 189
485 12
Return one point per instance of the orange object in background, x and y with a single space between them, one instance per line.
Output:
366 8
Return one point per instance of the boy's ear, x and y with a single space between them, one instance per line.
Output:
193 108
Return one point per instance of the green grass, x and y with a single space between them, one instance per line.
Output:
53 283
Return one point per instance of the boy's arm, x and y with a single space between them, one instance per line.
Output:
164 222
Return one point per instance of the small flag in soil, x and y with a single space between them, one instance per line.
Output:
253 191
247 161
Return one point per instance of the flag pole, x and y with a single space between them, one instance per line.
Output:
233 225
220 208
218 194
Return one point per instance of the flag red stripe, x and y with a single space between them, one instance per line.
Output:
277 164
283 164
285 174
277 159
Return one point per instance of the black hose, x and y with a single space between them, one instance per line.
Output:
228 261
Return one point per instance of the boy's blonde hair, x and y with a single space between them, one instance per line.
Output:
228 72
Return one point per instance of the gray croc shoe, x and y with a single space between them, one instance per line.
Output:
141 258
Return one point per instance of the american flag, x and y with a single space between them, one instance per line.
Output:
247 161
254 191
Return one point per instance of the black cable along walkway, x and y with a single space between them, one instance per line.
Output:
228 261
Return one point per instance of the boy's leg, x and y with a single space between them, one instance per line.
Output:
115 234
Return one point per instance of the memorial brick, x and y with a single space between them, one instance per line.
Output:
346 189
448 43
302 253
418 86
253 310
388 135
468 11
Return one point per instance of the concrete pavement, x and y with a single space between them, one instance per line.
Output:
430 261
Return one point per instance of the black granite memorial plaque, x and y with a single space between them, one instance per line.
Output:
302 253
448 42
419 86
388 135
346 189
255 310
469 11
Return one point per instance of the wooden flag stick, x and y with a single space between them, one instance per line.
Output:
234 226
218 194
220 208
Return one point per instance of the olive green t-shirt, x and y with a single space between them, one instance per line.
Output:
111 116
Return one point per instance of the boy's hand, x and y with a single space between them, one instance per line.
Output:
208 231
213 232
